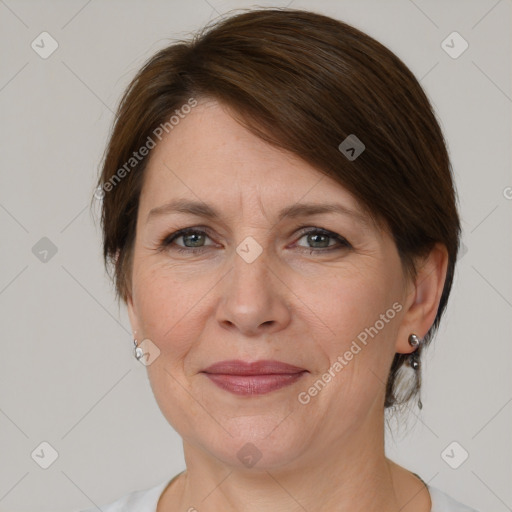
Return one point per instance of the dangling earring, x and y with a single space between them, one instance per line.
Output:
414 360
415 342
137 351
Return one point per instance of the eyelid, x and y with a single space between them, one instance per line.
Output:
317 229
168 240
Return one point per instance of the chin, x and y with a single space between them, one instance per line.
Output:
256 455
255 443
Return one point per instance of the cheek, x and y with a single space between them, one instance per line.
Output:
169 312
168 309
362 313
348 302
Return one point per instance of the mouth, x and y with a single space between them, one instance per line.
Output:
256 378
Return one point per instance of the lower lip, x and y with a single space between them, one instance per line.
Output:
247 385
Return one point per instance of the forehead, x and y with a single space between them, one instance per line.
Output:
209 157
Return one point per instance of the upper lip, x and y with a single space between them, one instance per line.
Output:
263 367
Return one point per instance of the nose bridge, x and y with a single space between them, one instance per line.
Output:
250 279
252 298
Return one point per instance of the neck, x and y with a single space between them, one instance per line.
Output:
350 475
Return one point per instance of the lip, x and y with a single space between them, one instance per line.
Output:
263 367
256 378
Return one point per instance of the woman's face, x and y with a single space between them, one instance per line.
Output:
252 284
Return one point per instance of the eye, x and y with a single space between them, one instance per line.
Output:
320 240
193 240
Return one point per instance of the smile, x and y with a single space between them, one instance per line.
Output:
254 384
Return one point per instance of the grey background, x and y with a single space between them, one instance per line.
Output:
68 376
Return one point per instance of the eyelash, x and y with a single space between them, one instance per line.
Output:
168 240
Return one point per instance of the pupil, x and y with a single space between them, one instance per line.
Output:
196 238
314 238
196 235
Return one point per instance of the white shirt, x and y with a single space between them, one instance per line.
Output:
147 500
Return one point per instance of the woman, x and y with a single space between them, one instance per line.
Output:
279 211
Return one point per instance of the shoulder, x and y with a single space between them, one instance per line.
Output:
137 501
441 502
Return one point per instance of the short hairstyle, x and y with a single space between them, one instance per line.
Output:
303 82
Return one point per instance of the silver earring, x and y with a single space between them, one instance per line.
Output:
137 351
415 342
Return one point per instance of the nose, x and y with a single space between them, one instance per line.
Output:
254 298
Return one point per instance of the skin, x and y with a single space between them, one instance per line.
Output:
290 304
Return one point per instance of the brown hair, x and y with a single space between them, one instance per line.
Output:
303 82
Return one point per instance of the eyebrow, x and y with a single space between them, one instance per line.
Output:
202 209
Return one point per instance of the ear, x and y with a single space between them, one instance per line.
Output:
132 314
423 297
